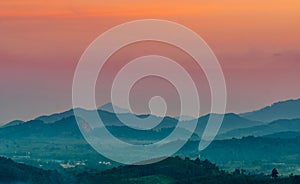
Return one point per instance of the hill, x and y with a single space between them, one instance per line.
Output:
177 170
256 154
271 128
169 171
12 123
37 129
289 109
12 172
284 135
230 122
66 126
62 142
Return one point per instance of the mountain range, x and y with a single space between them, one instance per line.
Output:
289 109
233 125
278 126
58 137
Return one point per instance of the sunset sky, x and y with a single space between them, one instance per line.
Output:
256 42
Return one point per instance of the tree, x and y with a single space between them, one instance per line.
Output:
274 173
236 172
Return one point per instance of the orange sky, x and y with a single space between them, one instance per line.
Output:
121 8
256 42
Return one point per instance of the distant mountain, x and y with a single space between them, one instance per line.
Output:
105 112
109 107
271 128
58 116
68 128
289 109
12 172
184 118
284 135
64 124
230 122
12 123
55 117
37 128
135 136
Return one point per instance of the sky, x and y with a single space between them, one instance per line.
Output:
256 42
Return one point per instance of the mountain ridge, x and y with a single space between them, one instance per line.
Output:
282 125
287 109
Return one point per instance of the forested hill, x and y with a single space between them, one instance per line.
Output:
172 170
177 170
12 172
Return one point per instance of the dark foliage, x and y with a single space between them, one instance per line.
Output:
178 170
11 172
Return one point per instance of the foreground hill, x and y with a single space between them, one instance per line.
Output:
177 170
11 172
172 170
255 154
